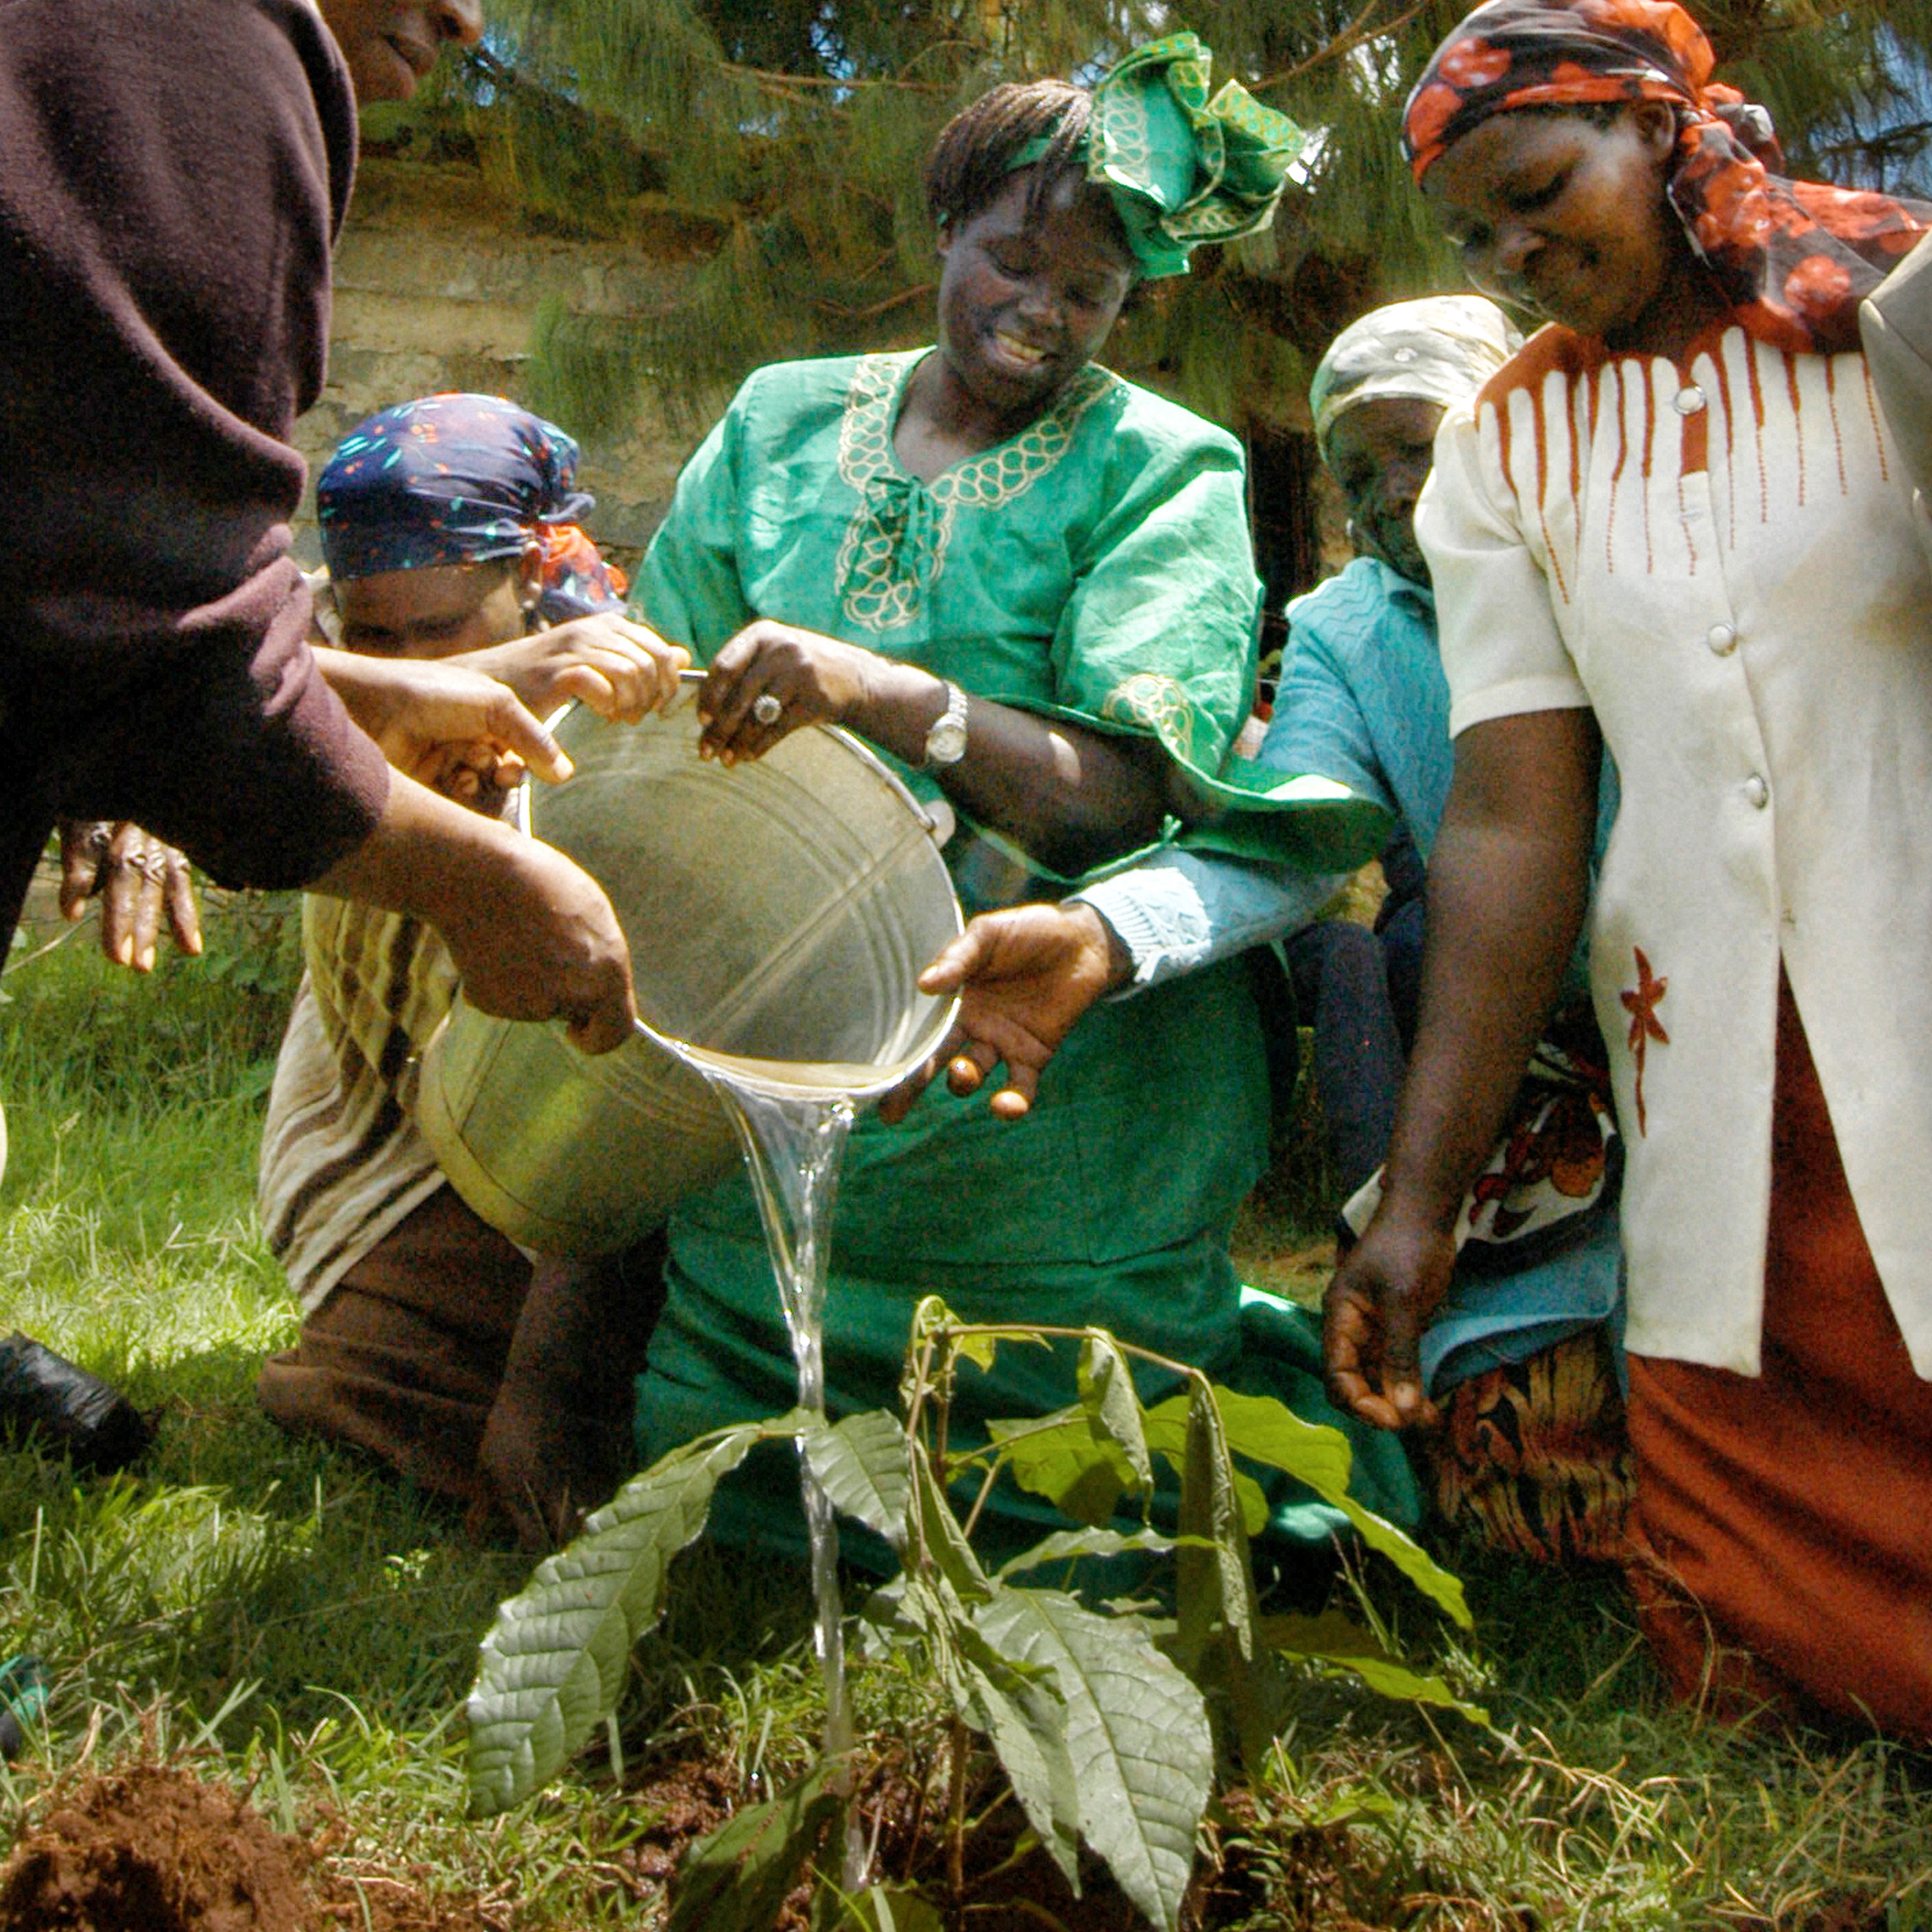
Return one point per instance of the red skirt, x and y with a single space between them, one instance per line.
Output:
1788 1516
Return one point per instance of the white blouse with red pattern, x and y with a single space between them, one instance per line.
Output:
1719 556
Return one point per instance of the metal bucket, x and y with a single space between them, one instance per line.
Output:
778 911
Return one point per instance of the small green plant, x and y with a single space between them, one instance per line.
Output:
1105 1720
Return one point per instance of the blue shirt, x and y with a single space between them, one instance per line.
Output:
1362 698
1363 701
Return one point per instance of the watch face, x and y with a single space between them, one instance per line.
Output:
946 742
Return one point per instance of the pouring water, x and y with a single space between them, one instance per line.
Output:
792 1120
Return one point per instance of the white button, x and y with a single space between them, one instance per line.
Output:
1688 400
1722 640
1756 791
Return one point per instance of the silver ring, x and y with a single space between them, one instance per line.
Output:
766 708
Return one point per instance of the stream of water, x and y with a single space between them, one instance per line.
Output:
792 1128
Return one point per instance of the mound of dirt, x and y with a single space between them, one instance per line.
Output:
153 1849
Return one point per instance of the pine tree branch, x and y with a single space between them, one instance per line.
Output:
773 81
917 293
1355 34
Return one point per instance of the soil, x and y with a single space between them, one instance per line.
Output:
154 1849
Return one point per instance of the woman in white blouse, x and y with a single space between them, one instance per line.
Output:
1676 520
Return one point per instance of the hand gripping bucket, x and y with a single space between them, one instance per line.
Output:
778 911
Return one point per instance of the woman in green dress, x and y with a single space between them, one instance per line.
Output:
1029 583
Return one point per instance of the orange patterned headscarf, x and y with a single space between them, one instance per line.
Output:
1794 258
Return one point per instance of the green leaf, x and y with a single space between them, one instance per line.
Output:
1265 1429
1016 1706
1258 1696
932 1316
1113 1404
1019 1710
936 1541
736 1879
550 1670
1167 1436
886 1618
892 1908
861 1464
1214 1585
1136 1731
1070 1545
1339 1644
1062 1457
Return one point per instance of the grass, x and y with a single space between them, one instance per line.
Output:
281 1614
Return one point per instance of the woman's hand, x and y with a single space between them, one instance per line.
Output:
1024 976
532 935
137 878
771 679
415 708
477 774
1373 1315
622 671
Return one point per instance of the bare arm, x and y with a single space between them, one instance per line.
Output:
532 937
1508 882
1069 796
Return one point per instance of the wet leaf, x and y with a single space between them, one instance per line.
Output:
550 1670
861 1464
892 1908
1167 1436
1066 1546
932 1316
1136 1731
937 1540
736 1879
1017 1707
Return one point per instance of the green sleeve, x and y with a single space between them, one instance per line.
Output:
1159 634
688 588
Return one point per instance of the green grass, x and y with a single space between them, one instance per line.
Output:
282 1614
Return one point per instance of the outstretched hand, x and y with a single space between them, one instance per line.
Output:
1024 976
138 878
1373 1315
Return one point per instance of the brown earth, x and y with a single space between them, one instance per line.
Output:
154 1849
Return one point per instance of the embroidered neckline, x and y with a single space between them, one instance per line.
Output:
895 548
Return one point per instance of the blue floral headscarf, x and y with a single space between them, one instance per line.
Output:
462 479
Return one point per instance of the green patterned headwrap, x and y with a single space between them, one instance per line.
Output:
1181 168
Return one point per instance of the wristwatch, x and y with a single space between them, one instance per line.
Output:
946 742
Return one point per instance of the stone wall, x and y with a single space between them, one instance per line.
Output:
436 289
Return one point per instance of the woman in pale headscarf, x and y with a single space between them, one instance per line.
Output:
1364 701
